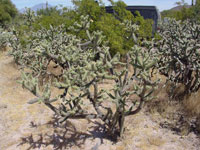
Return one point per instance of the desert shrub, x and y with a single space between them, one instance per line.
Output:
83 73
179 51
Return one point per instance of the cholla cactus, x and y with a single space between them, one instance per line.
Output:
179 52
131 29
82 74
4 38
29 17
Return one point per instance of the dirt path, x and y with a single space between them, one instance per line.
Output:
16 114
24 126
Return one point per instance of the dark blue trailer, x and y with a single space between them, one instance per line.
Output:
148 12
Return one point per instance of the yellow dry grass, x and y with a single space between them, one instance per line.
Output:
192 107
188 106
192 104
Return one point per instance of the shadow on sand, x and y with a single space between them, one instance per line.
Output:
66 136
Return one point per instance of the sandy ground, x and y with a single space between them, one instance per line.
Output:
24 126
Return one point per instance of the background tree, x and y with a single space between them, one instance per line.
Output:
197 10
112 26
118 39
7 11
49 16
181 3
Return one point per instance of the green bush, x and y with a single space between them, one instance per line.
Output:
7 11
112 24
49 16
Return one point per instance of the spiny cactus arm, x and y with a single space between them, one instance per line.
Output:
78 116
107 57
30 83
84 44
137 110
75 110
143 93
131 30
95 104
196 85
46 102
78 113
35 100
127 68
129 83
141 102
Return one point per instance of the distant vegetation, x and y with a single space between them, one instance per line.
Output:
183 13
111 25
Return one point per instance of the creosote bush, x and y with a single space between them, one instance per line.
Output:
85 64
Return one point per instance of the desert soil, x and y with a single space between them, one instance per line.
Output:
24 126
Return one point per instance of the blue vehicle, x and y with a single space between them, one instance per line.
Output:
148 12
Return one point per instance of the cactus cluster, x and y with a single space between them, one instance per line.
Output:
4 36
85 64
179 52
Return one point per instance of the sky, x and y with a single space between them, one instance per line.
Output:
161 4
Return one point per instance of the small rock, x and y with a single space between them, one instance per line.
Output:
3 106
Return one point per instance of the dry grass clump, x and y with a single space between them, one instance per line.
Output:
191 107
4 48
192 104
161 101
176 93
182 113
